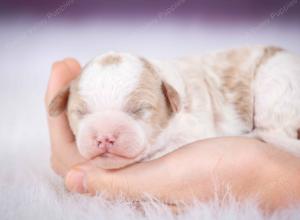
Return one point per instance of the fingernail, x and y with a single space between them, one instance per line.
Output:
75 181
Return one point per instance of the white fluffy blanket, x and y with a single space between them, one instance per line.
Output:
29 190
28 187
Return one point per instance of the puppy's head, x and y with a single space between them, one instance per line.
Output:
116 109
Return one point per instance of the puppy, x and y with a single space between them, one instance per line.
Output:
123 108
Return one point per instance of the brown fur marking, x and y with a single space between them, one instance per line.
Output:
239 85
110 60
172 96
238 78
148 98
215 113
59 102
237 56
268 53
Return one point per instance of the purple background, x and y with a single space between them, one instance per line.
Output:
205 9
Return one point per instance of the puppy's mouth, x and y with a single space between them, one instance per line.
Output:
108 155
109 160
113 156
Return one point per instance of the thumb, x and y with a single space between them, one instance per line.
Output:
89 179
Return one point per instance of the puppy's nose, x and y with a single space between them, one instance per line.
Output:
106 142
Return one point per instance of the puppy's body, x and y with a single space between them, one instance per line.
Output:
124 109
248 91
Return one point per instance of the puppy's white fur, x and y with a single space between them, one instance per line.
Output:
275 94
150 107
109 89
277 102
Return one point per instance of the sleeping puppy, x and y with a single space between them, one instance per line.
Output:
124 109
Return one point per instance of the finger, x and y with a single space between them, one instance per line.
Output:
62 73
73 65
87 178
64 157
75 180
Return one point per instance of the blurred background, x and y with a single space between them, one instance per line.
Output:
35 33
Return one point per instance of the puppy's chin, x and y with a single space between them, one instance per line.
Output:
110 161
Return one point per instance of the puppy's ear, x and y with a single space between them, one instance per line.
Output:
172 97
59 103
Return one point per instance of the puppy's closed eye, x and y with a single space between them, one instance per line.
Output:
142 111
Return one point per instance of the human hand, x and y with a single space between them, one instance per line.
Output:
248 167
